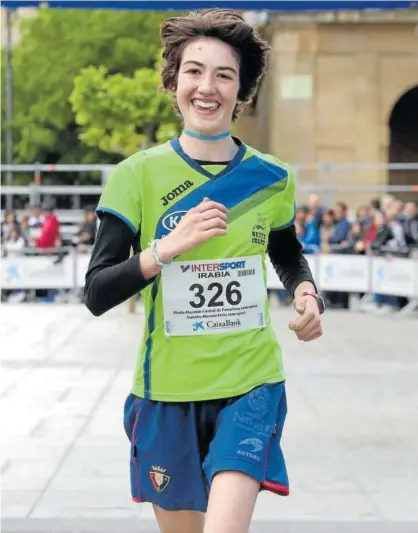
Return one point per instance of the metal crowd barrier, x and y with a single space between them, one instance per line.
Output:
357 274
327 179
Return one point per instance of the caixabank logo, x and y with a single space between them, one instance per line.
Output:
216 324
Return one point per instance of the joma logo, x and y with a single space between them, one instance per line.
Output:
180 189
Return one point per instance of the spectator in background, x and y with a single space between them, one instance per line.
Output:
375 205
355 236
410 224
300 220
49 233
315 206
364 216
9 224
386 202
25 230
326 229
363 245
382 233
389 234
36 219
301 213
300 230
398 208
86 234
15 243
342 226
311 238
339 300
395 233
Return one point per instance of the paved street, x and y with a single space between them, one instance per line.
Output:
351 438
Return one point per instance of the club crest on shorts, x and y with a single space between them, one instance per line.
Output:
159 478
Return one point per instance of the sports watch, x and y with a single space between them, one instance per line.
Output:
318 298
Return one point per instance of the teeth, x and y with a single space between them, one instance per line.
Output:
205 105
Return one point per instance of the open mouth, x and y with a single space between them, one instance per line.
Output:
205 105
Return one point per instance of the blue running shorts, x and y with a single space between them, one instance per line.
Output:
177 448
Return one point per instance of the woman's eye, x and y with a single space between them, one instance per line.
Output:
193 71
225 77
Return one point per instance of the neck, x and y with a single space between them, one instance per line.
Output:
220 150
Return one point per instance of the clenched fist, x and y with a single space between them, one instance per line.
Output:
206 220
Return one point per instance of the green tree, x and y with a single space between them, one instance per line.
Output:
55 46
121 114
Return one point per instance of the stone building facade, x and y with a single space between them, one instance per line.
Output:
340 92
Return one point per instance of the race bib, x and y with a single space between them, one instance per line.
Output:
213 296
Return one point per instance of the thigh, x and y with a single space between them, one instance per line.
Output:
165 464
247 438
231 503
179 521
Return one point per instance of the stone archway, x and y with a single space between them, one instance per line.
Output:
403 145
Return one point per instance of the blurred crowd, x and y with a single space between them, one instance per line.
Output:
386 225
39 231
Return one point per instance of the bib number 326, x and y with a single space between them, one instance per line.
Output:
215 294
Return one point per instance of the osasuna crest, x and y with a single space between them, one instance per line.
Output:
159 478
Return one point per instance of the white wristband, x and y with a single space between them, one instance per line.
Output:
153 247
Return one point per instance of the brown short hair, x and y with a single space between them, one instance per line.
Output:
343 206
229 27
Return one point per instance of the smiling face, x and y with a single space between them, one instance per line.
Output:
207 85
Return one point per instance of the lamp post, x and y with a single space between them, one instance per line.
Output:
9 105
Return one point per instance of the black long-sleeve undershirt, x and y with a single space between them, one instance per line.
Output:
285 252
113 276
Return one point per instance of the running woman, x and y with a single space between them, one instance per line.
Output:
202 212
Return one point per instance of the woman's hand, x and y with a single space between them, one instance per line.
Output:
208 219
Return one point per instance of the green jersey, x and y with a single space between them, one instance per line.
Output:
207 324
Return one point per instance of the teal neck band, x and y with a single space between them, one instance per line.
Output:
202 137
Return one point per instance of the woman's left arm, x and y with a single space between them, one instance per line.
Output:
285 252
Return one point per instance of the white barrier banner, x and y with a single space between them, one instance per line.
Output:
273 281
36 273
313 265
397 277
83 261
347 273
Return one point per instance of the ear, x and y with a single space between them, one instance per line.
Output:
240 104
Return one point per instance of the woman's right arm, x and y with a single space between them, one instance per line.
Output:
112 276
